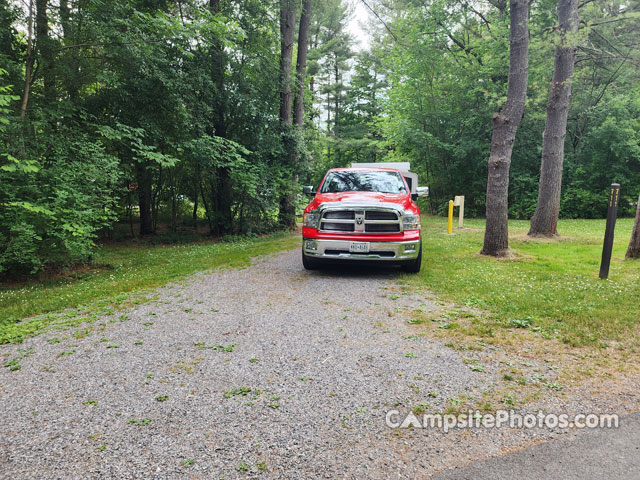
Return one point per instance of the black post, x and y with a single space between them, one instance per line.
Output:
614 198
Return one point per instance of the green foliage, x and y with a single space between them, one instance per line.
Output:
448 68
52 207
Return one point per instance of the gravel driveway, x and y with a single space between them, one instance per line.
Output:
264 372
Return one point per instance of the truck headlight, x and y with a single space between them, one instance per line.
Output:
411 222
310 220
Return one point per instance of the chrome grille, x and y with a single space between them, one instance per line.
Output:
361 220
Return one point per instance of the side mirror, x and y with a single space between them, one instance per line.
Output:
308 190
423 191
414 196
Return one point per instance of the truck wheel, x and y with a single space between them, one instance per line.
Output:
310 263
413 266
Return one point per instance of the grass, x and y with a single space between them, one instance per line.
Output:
550 286
127 269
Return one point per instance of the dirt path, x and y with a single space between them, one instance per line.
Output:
263 372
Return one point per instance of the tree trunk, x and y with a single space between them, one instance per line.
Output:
287 30
195 197
505 126
207 211
144 198
28 64
634 245
286 214
545 219
301 63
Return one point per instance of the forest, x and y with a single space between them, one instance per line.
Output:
130 118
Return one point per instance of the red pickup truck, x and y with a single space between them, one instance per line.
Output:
362 214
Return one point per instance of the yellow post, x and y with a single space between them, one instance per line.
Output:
450 227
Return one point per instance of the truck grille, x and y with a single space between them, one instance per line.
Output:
361 221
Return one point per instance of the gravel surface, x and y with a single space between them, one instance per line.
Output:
264 372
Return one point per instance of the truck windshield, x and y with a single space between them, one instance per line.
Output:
363 181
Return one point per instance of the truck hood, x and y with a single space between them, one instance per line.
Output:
373 199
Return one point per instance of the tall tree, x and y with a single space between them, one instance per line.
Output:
286 215
545 219
301 63
505 127
634 245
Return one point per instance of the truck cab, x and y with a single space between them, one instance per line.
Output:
363 213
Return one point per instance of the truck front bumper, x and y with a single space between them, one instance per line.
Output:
340 249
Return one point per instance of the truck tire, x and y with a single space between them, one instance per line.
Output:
310 263
413 266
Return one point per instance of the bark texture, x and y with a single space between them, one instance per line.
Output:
505 126
545 219
287 32
286 214
634 245
301 63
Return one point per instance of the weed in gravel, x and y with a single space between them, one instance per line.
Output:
65 353
13 365
243 467
420 408
140 422
187 462
262 466
147 324
253 360
410 355
187 366
138 342
90 403
474 364
274 401
82 332
238 391
449 326
416 321
53 340
162 398
305 379
217 348
113 346
102 448
49 369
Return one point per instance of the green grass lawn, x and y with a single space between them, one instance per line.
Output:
127 269
552 285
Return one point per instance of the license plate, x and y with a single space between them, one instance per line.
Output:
359 247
